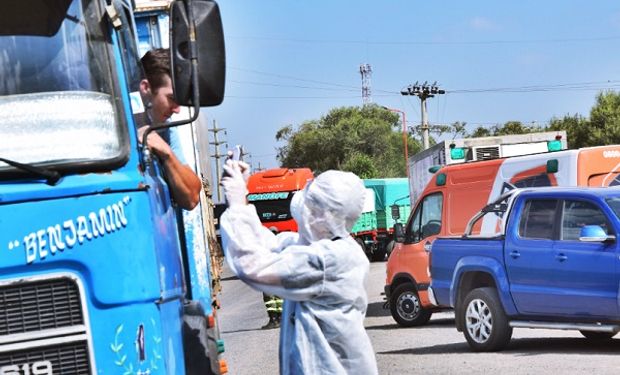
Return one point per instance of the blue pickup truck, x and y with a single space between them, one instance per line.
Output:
553 263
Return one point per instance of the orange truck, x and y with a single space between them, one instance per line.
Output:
456 192
271 191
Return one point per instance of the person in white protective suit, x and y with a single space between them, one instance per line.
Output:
319 272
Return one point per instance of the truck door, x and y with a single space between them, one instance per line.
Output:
585 272
551 272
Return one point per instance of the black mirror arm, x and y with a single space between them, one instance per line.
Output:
193 56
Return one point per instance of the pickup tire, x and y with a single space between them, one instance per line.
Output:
598 336
406 307
486 327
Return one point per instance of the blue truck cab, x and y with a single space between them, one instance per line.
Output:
553 263
96 275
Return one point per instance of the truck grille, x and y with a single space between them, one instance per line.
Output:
39 305
42 327
66 359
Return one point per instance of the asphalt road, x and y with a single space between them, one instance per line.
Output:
433 349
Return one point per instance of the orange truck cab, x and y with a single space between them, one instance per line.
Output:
271 191
456 192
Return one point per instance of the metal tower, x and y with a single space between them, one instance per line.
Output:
366 72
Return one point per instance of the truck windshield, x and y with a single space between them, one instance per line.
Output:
272 206
57 92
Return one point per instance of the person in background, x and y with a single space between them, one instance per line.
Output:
319 271
156 89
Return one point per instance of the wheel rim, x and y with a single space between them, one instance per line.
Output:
479 321
408 306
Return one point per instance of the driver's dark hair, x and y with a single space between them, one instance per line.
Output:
156 65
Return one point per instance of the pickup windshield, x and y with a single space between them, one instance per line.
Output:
56 90
614 203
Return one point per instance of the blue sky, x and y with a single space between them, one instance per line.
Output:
292 61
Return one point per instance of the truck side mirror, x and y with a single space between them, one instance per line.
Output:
395 211
594 233
209 52
399 233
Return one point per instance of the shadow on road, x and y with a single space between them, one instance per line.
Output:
433 323
526 347
376 309
229 278
243 330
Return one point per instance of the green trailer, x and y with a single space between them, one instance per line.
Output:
373 230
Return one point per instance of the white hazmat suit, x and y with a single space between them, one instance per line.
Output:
320 272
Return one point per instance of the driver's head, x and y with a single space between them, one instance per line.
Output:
158 84
329 206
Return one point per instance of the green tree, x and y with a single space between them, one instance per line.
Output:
365 140
602 128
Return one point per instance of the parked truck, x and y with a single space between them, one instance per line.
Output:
386 202
271 192
456 192
463 150
553 265
97 272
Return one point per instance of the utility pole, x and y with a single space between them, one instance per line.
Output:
217 156
423 92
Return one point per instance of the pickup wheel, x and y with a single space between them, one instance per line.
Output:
598 336
406 308
485 322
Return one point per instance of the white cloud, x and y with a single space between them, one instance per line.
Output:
482 24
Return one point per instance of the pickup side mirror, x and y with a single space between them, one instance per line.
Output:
594 233
209 50
399 233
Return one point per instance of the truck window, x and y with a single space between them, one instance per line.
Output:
576 214
427 218
537 219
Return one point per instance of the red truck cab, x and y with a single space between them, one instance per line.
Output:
271 191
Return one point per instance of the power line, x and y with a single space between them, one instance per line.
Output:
423 42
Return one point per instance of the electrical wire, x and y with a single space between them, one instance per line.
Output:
447 43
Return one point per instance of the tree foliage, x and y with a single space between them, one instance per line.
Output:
365 140
601 128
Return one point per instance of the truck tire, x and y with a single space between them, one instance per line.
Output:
598 336
486 327
406 308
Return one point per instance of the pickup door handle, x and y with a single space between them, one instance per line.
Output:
515 254
561 257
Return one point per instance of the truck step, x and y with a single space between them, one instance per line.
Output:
597 327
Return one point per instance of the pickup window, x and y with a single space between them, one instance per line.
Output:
538 219
577 214
426 219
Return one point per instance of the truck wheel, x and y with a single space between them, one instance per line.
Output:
598 336
406 308
486 323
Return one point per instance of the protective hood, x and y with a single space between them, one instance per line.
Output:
329 206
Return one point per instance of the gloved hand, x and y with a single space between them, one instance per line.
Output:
235 184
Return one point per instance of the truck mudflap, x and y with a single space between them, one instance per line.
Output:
201 342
